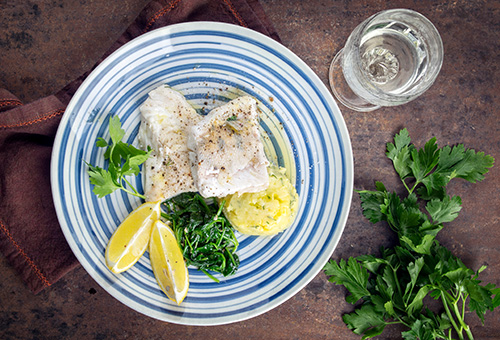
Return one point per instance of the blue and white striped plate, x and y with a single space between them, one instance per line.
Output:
210 63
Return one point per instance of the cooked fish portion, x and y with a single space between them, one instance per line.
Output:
226 152
165 119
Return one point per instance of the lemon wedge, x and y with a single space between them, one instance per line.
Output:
168 263
130 240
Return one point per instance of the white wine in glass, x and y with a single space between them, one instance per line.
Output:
389 59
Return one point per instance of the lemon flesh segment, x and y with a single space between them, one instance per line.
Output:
131 239
167 262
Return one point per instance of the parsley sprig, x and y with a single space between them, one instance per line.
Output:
393 286
124 160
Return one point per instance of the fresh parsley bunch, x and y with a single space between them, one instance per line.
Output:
124 160
392 287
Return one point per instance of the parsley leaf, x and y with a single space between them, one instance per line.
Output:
102 180
424 160
365 320
400 153
371 202
445 210
123 160
351 275
115 129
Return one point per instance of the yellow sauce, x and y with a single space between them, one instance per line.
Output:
267 212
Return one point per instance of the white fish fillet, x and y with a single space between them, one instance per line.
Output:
226 152
165 119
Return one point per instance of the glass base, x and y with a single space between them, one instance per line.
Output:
342 90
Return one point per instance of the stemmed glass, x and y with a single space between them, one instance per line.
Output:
389 59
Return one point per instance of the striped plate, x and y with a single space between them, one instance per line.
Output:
210 63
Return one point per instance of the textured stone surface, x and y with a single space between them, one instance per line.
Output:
45 44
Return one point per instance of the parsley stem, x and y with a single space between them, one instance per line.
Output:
400 321
469 333
136 194
392 226
463 325
406 186
450 316
130 185
467 329
396 280
410 191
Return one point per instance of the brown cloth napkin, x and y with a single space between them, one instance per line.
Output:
30 236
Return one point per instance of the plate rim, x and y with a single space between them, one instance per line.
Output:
298 62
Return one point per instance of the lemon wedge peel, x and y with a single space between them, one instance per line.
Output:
168 264
131 239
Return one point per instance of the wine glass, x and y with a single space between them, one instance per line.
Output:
389 59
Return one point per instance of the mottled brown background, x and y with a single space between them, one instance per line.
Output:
45 44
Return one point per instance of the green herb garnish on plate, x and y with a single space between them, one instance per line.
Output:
124 160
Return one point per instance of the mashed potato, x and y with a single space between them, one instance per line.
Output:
266 212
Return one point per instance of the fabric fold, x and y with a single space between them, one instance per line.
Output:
30 236
8 100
